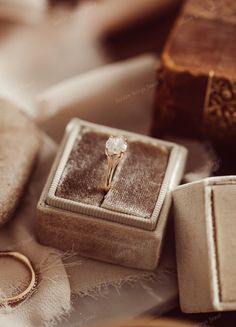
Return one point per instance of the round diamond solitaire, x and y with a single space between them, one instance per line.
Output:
116 145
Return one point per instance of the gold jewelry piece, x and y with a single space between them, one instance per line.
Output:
30 288
115 149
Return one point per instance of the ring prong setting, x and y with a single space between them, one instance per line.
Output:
116 145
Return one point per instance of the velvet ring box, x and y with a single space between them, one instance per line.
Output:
126 225
205 224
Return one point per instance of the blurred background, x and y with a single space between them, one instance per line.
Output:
48 50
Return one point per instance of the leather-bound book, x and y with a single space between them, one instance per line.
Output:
196 92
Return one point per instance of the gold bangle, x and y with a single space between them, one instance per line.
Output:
30 288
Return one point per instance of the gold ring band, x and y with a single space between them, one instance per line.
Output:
33 282
113 162
116 146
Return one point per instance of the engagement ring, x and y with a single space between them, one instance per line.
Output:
116 146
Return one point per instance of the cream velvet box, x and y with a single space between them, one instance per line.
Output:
205 225
127 224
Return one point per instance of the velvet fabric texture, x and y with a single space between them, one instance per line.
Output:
205 244
19 144
136 183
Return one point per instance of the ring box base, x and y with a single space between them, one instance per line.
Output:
110 233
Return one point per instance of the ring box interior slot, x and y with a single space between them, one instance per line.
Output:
124 225
205 224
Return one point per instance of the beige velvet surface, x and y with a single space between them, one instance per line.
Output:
136 183
225 220
83 177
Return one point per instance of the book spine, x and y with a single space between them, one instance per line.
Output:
202 106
